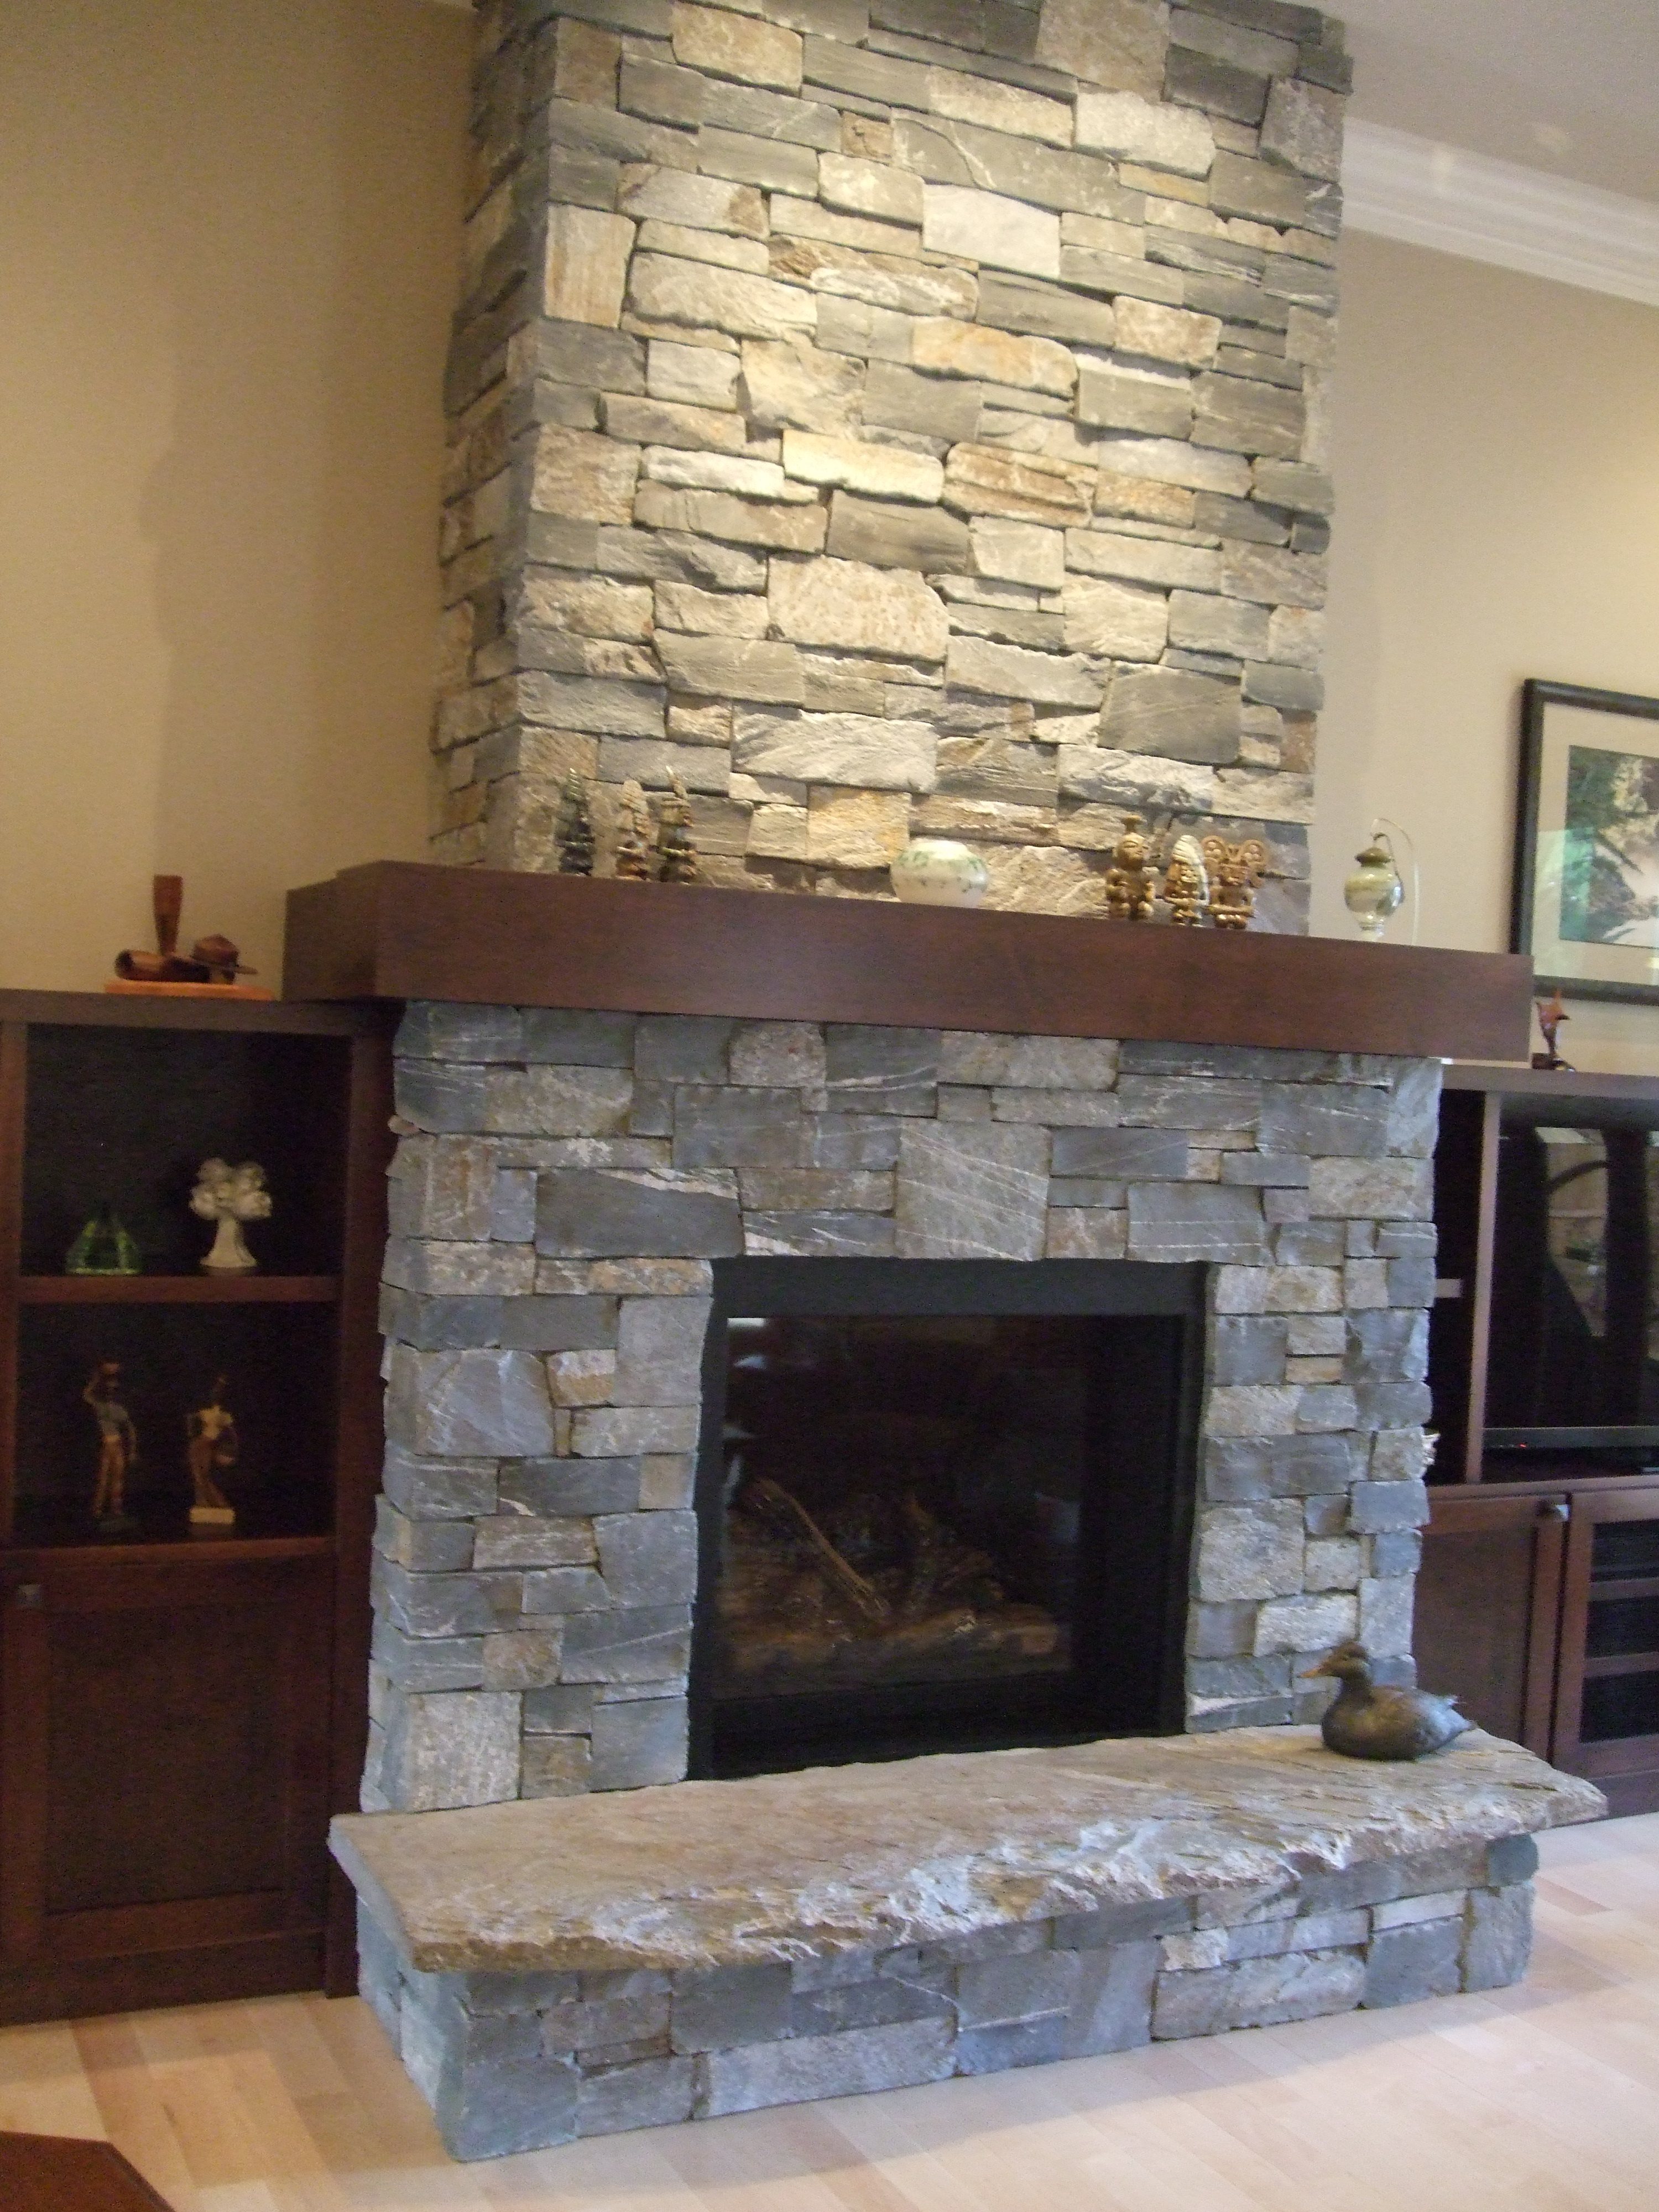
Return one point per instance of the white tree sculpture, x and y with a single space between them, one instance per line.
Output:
230 1196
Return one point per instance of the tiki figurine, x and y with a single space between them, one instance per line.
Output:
633 840
1132 880
118 1447
1186 884
576 829
677 856
1235 872
210 1442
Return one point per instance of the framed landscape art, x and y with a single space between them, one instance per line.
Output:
1586 903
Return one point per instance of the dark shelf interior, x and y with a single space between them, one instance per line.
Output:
178 1289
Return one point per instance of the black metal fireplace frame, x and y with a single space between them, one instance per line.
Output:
1149 1496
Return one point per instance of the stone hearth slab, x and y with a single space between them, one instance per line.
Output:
786 1867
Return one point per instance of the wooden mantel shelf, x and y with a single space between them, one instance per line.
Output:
403 930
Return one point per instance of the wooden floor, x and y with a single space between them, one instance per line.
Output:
1544 2099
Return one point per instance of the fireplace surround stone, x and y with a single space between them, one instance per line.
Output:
562 1185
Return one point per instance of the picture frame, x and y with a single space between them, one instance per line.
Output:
1586 886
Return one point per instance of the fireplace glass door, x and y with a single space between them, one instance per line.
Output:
927 1530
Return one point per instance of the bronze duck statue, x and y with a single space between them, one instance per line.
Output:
1367 1719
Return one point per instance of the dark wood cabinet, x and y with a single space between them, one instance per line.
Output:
180 1711
1538 1602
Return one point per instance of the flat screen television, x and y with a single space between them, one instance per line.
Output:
1573 1377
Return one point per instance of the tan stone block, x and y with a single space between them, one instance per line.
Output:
861 609
778 833
953 349
585 476
1140 499
1020 487
668 464
1127 622
1296 636
732 668
882 471
996 107
985 227
857 828
694 376
1030 879
1018 552
788 384
584 63
1152 130
593 606
711 614
699 203
581 1378
736 47
872 188
586 265
882 282
1161 333
715 246
744 521
673 291
797 218
1121 44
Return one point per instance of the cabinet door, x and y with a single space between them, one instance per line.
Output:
1488 1610
163 1778
1607 1709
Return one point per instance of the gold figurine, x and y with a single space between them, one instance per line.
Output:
677 856
1186 884
633 839
1235 872
1132 880
118 1448
210 1442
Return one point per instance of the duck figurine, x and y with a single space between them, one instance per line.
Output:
1367 1719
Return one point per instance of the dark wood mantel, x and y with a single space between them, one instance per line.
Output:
402 930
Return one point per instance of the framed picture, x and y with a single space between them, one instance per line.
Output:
1586 841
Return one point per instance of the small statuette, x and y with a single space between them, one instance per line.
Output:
230 1196
1550 1015
633 839
1186 882
1235 872
104 1247
1132 880
118 1449
1374 891
938 872
211 1445
576 829
677 856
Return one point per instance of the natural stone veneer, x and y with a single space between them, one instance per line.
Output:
893 417
563 1182
548 1971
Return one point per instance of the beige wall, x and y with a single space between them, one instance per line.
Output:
227 259
1498 486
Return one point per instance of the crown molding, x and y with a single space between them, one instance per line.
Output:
1423 193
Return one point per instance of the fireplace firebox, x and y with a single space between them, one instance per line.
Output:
944 1505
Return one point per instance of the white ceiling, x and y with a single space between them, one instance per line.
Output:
1571 87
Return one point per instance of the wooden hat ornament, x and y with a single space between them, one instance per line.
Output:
208 969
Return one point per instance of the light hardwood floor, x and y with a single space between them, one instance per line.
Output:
1536 2100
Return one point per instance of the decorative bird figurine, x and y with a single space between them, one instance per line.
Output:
1371 1720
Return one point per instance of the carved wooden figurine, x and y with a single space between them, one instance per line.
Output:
677 856
118 1448
1550 1015
633 843
1235 872
230 1196
576 829
210 1443
1132 880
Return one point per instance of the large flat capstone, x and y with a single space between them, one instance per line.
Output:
787 1866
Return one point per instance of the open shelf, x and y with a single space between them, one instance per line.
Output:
178 1289
1623 1662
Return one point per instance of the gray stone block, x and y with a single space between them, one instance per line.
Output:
659 1348
879 2002
1189 1101
1237 1469
440 1324
1220 1631
1126 1154
820 1235
1000 1990
970 1190
1173 714
855 1143
1212 1221
888 536
545 1489
1497 1940
434 1489
1405 1964
1250 1349
578 1040
634 2012
1258 1992
811 2067
441 1097
497 2092
1388 1345
427 1663
1378 1506
550 1590
593 1214
1323 1118
648 1559
1001 2045
654 2092
1511 1860
681 1048
650 1644
732 1128
446 1032
720 2008
557 1324
565 1709
882 1071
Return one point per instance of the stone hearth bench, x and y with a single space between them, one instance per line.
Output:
568 1966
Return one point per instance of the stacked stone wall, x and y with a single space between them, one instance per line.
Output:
894 417
564 1181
